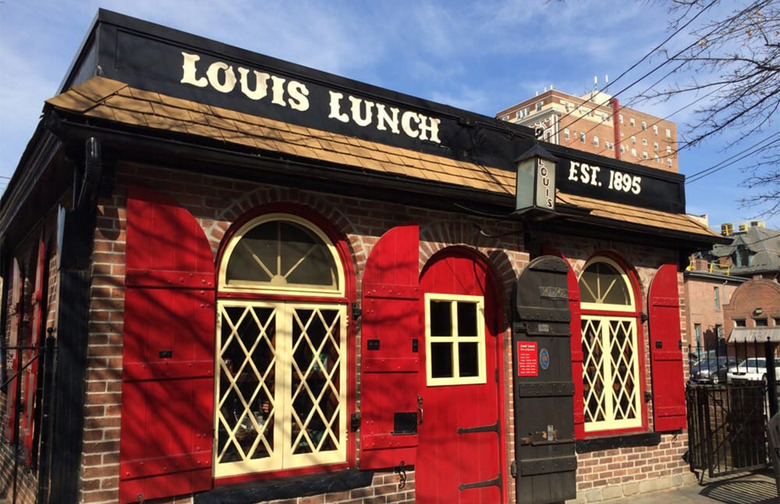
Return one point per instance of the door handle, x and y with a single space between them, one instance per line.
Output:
420 409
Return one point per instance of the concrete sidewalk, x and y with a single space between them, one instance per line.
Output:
752 488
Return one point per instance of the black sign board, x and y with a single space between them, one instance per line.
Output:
155 58
612 180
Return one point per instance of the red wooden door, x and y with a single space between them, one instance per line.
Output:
458 459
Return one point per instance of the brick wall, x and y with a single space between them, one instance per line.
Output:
216 203
700 291
624 472
756 293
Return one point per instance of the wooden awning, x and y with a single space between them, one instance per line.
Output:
114 101
755 334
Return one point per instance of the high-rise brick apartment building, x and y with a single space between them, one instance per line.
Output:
595 122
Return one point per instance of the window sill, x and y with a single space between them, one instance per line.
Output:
287 488
612 442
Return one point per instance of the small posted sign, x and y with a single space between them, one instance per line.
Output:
527 359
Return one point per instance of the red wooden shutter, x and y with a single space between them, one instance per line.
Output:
389 358
168 352
14 341
575 326
665 351
30 382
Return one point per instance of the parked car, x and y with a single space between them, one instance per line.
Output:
752 369
712 370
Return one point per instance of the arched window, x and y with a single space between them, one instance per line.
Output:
281 364
611 352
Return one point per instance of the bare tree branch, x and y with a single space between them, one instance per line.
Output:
738 55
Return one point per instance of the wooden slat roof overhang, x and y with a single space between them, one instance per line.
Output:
280 150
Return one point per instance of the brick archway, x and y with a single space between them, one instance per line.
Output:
264 195
497 250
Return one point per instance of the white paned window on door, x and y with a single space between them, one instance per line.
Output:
454 339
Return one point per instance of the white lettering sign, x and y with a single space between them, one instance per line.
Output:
257 86
545 186
586 174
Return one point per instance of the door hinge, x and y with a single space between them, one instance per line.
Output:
354 422
356 311
513 469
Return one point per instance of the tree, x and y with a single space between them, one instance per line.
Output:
735 61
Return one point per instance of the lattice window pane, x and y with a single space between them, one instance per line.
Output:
246 382
316 385
624 390
610 373
593 371
281 386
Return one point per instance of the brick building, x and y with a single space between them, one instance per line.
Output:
258 282
595 122
714 276
754 311
707 295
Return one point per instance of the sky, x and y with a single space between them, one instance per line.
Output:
480 56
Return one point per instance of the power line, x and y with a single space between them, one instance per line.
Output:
731 160
652 51
668 116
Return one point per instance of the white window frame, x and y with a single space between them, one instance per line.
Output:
285 300
602 322
282 456
246 286
455 338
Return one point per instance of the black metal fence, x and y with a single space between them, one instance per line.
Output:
730 396
40 450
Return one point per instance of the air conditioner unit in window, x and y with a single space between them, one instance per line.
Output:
743 228
758 224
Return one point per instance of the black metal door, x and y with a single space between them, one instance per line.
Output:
543 390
